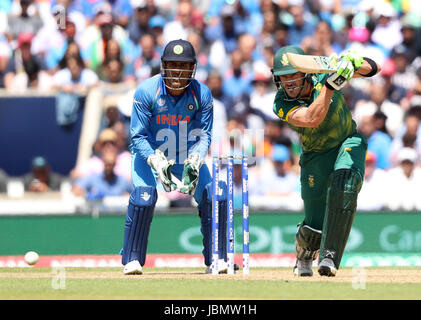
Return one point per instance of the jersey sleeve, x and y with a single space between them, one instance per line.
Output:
283 108
140 123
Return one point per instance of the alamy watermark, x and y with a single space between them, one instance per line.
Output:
58 281
360 278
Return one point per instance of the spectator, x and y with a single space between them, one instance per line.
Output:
24 22
404 75
409 37
270 25
71 83
42 178
281 36
387 30
149 62
3 181
94 50
247 48
395 92
182 24
378 142
375 186
107 141
262 94
280 182
226 30
407 179
67 46
75 78
203 66
214 83
408 135
105 183
378 101
23 70
72 51
122 10
156 25
303 24
139 24
5 53
321 42
237 80
416 92
115 120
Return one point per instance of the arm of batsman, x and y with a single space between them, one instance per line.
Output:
190 176
162 166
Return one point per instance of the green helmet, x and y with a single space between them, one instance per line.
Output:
281 65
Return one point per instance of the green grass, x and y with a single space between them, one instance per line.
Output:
191 284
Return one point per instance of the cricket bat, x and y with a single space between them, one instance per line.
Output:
310 64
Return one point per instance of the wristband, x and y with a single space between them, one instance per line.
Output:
373 66
327 85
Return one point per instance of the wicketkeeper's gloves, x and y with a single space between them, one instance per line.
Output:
190 176
159 162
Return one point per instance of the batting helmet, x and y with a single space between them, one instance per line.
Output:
178 51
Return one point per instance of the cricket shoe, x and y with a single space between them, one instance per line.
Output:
302 268
222 267
327 268
133 267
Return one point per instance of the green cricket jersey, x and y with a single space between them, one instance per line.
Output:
336 126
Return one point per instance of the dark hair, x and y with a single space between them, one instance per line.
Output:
63 62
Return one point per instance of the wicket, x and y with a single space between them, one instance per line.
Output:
216 164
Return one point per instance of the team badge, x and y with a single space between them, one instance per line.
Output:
178 49
311 180
190 107
284 60
281 113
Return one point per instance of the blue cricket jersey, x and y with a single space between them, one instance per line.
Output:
178 126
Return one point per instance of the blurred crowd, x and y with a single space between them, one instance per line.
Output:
71 46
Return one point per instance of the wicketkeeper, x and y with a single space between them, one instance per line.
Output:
333 159
171 130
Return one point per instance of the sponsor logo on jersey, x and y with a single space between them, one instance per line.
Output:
171 119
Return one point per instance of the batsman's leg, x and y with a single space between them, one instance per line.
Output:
340 211
307 244
136 229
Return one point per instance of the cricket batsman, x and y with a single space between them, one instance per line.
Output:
333 159
170 130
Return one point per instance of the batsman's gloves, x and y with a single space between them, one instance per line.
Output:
353 57
159 162
190 176
344 73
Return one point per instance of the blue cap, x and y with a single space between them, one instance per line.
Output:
280 153
39 162
179 50
157 21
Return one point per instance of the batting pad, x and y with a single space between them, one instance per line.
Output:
138 221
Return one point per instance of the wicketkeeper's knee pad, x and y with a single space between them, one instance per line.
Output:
344 185
206 222
138 221
307 242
